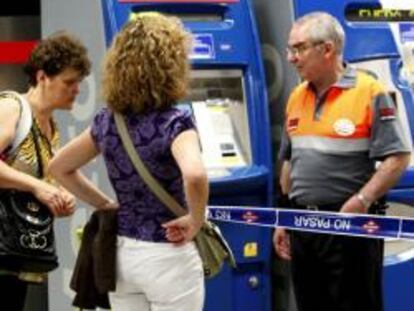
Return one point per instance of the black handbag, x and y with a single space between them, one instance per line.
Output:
27 242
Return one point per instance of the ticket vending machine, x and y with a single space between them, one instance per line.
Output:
380 40
229 103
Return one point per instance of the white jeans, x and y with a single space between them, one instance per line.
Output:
157 277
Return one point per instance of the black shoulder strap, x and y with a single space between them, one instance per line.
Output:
35 135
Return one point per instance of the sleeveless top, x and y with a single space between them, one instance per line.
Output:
24 157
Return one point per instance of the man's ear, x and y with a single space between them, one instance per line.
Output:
329 47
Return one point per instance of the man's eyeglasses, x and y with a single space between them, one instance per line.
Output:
300 48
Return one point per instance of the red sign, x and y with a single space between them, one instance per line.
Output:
179 1
15 52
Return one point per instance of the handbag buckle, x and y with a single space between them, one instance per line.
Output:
33 207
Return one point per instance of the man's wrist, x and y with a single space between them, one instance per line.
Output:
363 200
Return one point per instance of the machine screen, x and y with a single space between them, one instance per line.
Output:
217 102
201 18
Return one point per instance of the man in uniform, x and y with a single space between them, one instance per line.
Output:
340 123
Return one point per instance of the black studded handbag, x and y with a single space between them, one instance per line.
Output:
27 242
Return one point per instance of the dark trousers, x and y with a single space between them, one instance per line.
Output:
12 292
336 273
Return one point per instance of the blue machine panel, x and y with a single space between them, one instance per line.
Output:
372 39
225 38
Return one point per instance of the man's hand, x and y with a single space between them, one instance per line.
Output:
281 243
353 205
384 178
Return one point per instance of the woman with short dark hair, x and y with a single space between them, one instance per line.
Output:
55 69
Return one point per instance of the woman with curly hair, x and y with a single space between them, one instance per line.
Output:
55 69
145 74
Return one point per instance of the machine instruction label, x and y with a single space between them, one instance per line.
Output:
203 47
406 32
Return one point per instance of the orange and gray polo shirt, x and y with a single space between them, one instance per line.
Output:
333 142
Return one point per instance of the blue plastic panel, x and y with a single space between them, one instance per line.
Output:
398 286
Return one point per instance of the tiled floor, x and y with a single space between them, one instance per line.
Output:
393 247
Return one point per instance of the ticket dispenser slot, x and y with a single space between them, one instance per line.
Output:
213 14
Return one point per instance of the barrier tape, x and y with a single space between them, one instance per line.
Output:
363 225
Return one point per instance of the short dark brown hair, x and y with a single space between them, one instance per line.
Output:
56 53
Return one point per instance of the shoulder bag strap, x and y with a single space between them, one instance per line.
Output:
35 134
142 170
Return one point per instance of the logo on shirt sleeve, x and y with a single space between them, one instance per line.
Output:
387 113
292 124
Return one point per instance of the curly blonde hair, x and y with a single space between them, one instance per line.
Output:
147 64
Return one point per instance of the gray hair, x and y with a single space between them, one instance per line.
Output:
322 26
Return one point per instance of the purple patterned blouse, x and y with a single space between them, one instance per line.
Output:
141 213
